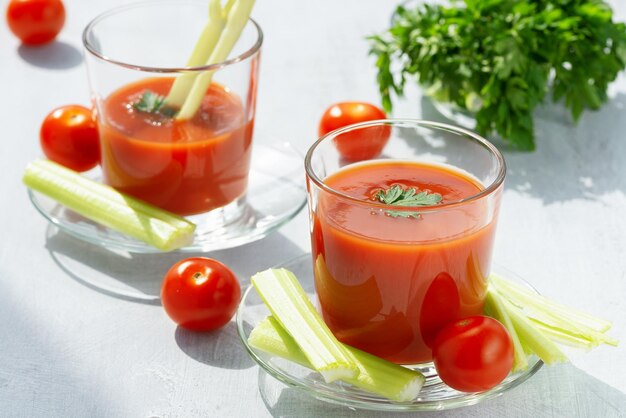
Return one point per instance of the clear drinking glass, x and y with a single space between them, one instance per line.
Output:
197 167
389 277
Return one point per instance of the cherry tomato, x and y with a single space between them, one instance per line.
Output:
200 294
358 145
473 354
35 22
69 136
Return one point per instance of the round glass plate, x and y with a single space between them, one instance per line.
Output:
435 395
275 194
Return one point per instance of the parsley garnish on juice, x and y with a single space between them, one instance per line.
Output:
151 102
398 196
500 59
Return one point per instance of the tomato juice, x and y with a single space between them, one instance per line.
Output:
187 167
387 284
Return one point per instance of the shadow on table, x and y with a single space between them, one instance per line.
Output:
57 55
39 376
137 277
557 391
220 348
572 161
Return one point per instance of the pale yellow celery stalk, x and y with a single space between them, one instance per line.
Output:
563 337
495 309
560 317
291 307
201 52
526 297
227 7
531 337
376 375
236 21
108 207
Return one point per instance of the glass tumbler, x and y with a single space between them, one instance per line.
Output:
197 166
389 277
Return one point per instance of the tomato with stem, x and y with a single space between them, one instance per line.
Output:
361 144
69 136
35 22
473 354
200 294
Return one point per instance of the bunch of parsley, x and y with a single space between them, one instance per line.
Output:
499 58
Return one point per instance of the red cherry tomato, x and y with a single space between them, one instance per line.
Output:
358 145
35 22
69 136
473 354
200 294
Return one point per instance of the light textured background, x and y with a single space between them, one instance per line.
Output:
69 350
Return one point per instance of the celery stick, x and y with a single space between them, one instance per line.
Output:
109 207
376 375
563 337
271 337
235 23
527 349
227 7
201 52
575 330
526 296
287 301
555 315
495 309
534 339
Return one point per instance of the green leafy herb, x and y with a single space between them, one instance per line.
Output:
398 196
498 59
151 102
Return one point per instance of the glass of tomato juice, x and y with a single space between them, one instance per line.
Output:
389 276
197 166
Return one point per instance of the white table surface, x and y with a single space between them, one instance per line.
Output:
68 350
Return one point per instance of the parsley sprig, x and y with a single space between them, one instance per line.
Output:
498 58
151 102
398 196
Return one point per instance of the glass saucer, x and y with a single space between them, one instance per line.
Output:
276 194
435 395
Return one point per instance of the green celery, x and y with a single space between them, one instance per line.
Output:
527 349
290 305
494 307
530 335
557 316
271 337
237 19
526 297
201 52
563 337
573 329
108 207
376 375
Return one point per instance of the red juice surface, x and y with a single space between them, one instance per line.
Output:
186 167
386 285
